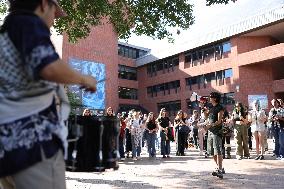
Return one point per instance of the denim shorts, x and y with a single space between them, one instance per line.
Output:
214 144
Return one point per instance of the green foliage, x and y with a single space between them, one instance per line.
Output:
152 18
74 101
211 2
3 7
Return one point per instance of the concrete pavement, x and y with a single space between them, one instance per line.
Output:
191 171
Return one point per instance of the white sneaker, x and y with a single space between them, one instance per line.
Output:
239 157
134 159
278 158
201 153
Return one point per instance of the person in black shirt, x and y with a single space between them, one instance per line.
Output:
151 130
164 124
215 133
182 131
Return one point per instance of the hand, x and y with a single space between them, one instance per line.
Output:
89 83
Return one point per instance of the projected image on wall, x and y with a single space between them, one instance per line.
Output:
97 70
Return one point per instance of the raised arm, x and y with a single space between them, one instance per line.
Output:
61 72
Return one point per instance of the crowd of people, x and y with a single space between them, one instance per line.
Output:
209 129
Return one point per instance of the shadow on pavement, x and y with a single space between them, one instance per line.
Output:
255 179
113 183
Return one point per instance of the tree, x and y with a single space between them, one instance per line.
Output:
153 18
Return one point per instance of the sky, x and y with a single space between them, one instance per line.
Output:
207 19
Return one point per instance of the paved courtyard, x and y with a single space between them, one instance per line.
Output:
191 171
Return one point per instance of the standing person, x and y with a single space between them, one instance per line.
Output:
273 115
122 124
239 118
182 131
30 72
128 140
193 120
249 129
151 130
109 111
203 121
280 117
257 119
214 141
164 123
136 128
227 133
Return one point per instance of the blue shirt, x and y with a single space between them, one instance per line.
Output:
23 140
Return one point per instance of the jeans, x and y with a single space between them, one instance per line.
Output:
165 145
136 150
281 142
121 147
151 138
276 139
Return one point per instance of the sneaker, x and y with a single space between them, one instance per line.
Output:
201 153
134 159
257 158
261 157
214 173
219 174
223 171
239 157
138 157
206 155
122 159
246 157
279 158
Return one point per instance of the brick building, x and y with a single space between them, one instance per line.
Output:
243 61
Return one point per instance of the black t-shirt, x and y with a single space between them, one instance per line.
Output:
151 125
164 122
213 117
178 120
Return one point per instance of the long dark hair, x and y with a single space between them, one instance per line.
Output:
241 109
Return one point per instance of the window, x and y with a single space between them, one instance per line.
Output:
209 52
193 80
228 73
226 47
209 77
194 56
175 61
160 66
130 52
219 74
127 93
187 58
125 72
228 99
149 90
171 107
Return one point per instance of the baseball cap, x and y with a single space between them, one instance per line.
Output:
59 11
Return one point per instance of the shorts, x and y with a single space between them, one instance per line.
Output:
214 144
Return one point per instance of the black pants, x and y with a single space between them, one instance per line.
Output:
249 138
195 136
182 139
